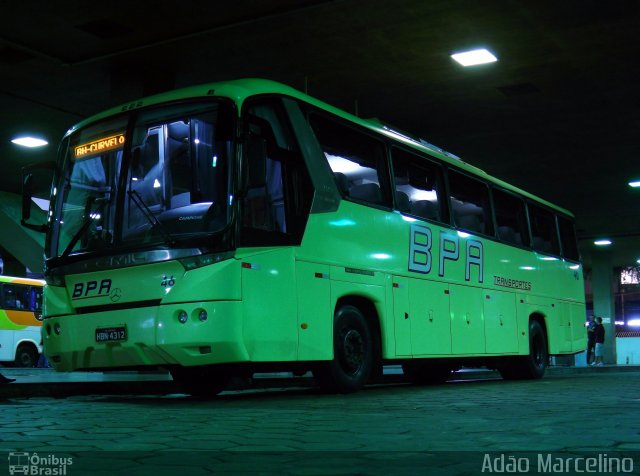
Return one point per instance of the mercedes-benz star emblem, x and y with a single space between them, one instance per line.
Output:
115 295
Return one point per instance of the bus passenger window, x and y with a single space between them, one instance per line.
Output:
568 239
417 185
511 218
357 160
275 203
543 230
470 204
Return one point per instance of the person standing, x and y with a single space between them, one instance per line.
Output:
591 338
599 348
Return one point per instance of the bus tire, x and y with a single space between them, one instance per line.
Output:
26 356
425 374
353 353
532 366
201 381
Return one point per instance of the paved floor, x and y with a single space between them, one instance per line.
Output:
457 428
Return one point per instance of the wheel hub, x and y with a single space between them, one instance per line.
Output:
353 346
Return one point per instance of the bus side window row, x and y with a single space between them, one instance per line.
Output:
358 162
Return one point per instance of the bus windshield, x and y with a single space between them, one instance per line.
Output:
156 177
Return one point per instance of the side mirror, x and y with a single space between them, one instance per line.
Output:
36 184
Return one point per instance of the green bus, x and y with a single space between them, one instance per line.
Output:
243 227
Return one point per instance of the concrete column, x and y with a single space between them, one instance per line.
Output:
603 300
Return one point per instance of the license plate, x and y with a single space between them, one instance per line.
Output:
111 334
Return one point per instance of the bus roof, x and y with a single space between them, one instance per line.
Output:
240 89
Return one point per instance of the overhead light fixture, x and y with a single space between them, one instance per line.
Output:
602 242
29 141
474 57
635 184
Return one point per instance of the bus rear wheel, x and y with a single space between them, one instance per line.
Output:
530 366
26 356
353 353
201 381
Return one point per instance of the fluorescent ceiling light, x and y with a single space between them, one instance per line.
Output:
602 242
29 142
474 57
635 184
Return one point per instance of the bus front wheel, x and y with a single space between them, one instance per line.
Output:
530 366
26 356
353 353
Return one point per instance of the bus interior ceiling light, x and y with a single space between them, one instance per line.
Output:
474 57
634 183
29 141
602 242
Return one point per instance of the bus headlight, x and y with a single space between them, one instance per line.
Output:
202 315
56 328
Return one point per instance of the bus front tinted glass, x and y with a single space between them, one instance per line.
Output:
176 171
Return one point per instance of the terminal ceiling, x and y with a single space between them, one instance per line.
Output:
557 115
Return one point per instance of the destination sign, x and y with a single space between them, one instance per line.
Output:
100 145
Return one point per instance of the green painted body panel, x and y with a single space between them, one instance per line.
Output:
279 307
483 318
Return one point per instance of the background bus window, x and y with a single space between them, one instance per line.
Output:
470 204
511 218
417 185
543 230
357 160
15 296
35 298
568 239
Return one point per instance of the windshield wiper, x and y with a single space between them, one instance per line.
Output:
151 218
88 220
